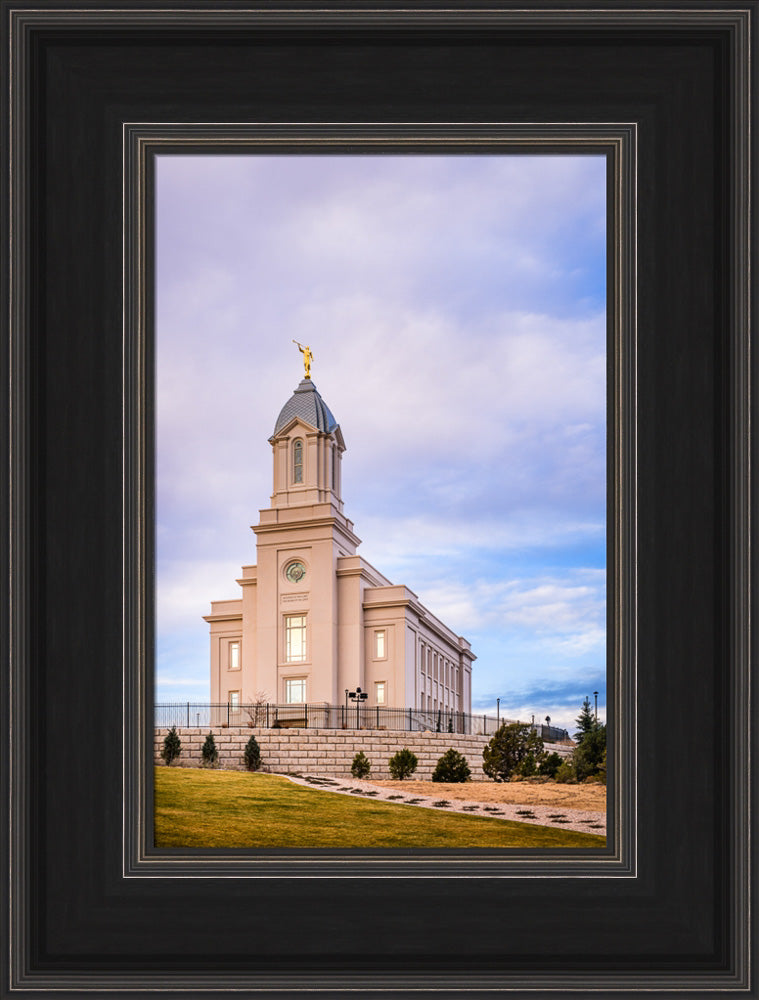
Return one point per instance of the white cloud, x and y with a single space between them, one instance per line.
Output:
462 351
566 613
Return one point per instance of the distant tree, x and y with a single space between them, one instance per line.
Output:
209 752
252 754
589 756
403 764
586 721
515 745
361 765
452 767
172 746
550 765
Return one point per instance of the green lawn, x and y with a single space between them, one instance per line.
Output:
206 808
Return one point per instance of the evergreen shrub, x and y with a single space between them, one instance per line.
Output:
361 765
516 749
452 767
565 775
550 765
403 764
172 745
252 754
209 752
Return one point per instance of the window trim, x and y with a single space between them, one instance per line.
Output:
234 644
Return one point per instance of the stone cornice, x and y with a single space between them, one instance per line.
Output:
319 522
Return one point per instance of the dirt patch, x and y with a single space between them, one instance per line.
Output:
588 797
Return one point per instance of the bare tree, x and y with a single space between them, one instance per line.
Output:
256 708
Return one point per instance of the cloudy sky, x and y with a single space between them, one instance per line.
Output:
455 306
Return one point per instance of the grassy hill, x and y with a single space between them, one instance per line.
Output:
207 808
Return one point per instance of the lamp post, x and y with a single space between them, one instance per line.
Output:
498 712
358 696
595 695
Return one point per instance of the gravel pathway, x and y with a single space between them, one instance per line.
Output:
567 819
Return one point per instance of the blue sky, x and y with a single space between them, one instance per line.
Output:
455 306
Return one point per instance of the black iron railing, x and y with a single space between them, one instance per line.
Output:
320 716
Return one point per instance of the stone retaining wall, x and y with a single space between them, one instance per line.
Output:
327 751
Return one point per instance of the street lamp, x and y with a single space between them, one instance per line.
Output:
498 711
595 695
358 696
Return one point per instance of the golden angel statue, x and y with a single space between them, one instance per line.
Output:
307 357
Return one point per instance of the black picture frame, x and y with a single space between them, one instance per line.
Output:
86 911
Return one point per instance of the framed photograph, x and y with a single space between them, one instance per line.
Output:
326 664
103 103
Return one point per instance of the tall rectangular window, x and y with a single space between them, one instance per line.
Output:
234 701
379 692
295 638
298 461
295 690
234 655
379 644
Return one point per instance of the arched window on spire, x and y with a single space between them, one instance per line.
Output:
298 461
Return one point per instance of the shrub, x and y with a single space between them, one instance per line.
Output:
361 766
452 767
403 764
565 775
172 745
209 751
526 768
514 746
252 754
550 765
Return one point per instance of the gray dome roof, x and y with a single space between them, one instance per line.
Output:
307 404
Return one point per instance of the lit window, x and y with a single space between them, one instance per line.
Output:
234 701
295 690
379 644
234 656
295 638
379 692
298 461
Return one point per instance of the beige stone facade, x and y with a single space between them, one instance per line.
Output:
315 619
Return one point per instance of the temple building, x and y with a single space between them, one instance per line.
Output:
314 619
